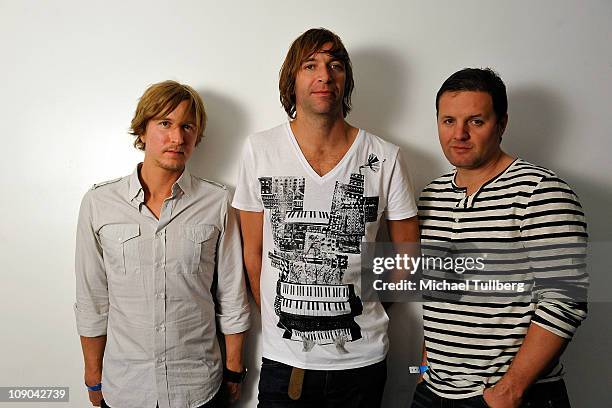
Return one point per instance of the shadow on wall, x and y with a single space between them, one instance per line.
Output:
588 372
219 150
221 146
536 123
252 359
382 81
379 99
536 131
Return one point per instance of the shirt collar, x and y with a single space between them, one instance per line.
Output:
454 185
184 184
492 180
136 192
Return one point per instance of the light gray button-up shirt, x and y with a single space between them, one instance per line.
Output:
152 287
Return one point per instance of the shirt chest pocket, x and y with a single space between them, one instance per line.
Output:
199 245
120 248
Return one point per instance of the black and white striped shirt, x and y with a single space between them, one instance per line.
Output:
533 229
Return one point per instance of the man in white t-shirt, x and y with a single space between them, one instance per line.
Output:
310 191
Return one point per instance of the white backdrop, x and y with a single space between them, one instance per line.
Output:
72 72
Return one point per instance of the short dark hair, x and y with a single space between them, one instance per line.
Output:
478 79
301 49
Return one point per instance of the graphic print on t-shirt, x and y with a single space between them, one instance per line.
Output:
310 252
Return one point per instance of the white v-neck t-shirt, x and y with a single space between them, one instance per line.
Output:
311 309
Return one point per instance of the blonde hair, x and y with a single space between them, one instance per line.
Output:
159 100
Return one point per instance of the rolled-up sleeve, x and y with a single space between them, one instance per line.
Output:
554 232
91 307
232 304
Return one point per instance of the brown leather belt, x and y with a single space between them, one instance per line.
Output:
295 383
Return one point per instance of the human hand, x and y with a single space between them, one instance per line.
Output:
95 397
233 391
500 396
91 379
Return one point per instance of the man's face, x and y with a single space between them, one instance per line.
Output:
170 140
319 84
468 129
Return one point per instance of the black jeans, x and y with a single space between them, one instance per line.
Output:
545 395
355 388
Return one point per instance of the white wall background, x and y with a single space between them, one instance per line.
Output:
72 71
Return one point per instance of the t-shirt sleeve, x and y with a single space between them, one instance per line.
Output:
247 197
400 200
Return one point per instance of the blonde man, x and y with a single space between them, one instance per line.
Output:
158 261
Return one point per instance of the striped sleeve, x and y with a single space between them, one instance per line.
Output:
554 232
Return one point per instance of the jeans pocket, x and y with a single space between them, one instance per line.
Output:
274 380
482 401
561 401
548 395
266 362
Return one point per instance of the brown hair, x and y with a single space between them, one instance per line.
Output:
159 100
301 49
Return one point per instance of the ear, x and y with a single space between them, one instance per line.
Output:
502 126
142 139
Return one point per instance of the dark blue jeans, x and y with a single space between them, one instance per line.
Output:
545 395
355 388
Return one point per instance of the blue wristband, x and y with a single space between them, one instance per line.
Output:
96 387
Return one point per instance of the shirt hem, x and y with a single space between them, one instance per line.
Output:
204 401
244 207
454 396
331 366
401 215
92 332
555 330
235 330
480 392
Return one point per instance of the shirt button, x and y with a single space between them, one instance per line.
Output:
161 360
161 295
456 219
161 328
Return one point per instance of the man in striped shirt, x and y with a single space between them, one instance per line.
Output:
499 349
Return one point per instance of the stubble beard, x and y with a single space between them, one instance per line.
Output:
330 110
171 166
471 162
